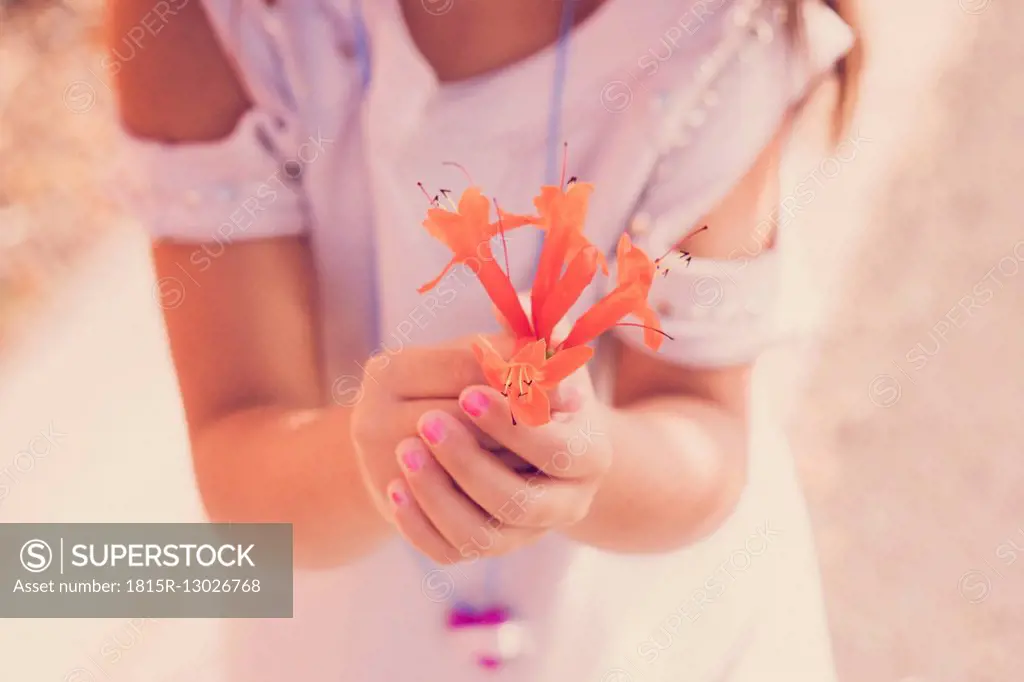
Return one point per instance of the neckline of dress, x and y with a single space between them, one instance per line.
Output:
451 107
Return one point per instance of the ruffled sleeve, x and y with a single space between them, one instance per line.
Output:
724 312
249 184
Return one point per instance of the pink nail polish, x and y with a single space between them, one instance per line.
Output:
399 498
433 431
475 403
412 459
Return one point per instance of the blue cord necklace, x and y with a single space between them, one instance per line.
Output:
495 618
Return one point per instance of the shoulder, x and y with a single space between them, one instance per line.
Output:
721 108
174 80
723 113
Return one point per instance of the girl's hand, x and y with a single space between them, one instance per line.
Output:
501 509
395 391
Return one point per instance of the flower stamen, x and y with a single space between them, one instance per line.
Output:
501 233
644 326
565 163
445 193
462 168
677 247
659 265
433 201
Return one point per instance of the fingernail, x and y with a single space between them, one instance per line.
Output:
433 431
398 497
475 403
412 458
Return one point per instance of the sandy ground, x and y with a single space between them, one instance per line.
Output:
906 384
909 434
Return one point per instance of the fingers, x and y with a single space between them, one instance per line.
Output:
442 521
383 423
431 372
408 415
512 460
424 373
567 398
512 500
569 447
572 392
414 525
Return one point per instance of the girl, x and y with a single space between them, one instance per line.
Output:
654 529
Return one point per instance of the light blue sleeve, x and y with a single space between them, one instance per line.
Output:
725 312
249 184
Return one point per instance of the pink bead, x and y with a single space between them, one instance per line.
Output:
489 662
465 617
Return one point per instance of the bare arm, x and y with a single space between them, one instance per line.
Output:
266 446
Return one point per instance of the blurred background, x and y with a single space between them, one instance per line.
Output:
905 411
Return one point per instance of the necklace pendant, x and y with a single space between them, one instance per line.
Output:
490 637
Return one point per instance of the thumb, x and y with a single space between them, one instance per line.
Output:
573 392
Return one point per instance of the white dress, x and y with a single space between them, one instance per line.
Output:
666 105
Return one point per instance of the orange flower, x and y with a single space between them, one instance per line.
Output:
635 277
567 265
526 379
564 212
635 267
468 233
561 215
565 293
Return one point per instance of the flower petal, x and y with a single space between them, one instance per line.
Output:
581 243
563 363
562 216
463 230
474 206
440 222
531 354
567 207
649 317
532 409
624 246
504 296
437 280
467 233
605 314
510 221
567 291
494 366
633 264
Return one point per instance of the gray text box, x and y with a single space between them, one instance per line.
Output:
145 570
